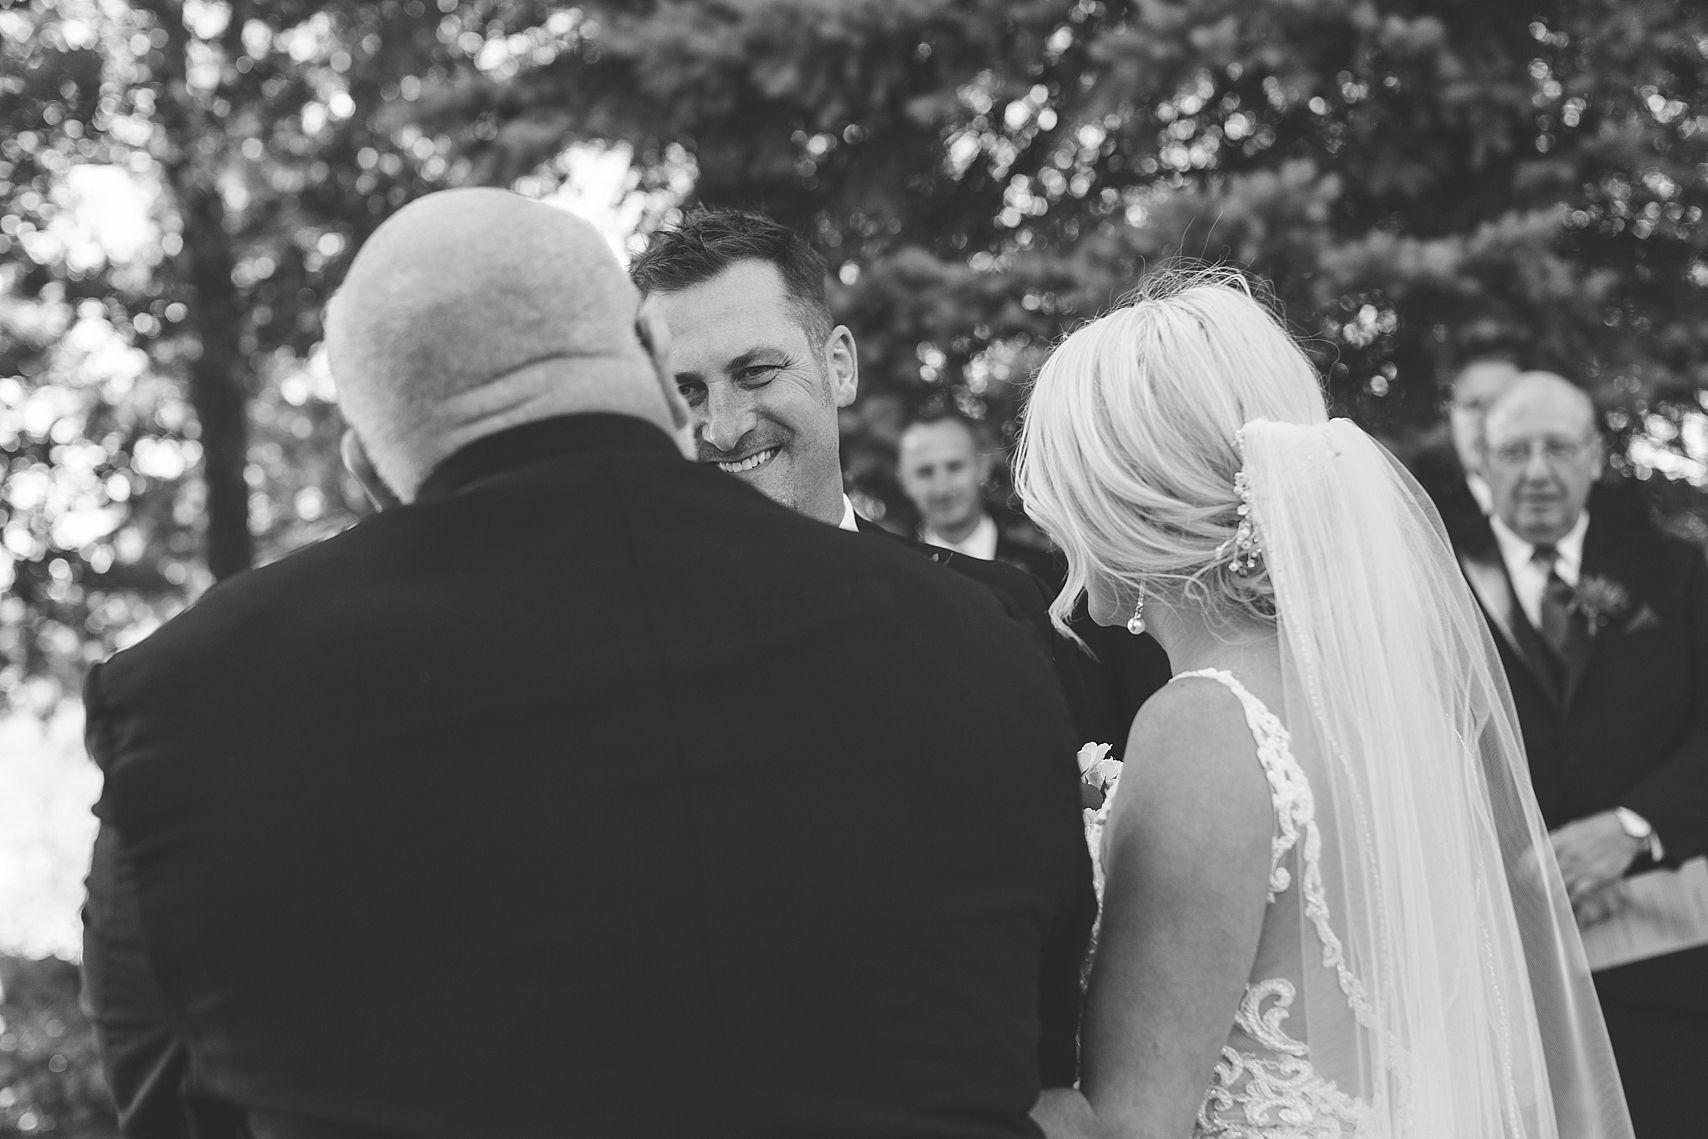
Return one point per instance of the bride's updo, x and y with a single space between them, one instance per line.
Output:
1127 458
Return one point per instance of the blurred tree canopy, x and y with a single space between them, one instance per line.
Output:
181 187
1418 181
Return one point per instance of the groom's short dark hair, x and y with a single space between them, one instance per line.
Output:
708 241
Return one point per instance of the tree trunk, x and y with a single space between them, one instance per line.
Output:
217 389
216 381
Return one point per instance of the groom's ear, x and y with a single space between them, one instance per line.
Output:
842 365
357 462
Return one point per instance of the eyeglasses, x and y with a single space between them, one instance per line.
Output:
1555 452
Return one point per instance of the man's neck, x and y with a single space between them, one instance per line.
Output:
1571 536
960 531
826 508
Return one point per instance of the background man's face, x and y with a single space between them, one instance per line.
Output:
762 398
940 471
1473 391
1543 457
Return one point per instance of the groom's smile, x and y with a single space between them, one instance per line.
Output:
762 389
752 462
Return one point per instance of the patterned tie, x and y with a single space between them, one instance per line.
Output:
1562 628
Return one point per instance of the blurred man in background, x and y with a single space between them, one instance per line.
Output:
1477 386
1454 476
943 471
1602 624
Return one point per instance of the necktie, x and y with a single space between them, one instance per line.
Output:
1562 627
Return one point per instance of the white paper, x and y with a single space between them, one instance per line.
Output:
1665 911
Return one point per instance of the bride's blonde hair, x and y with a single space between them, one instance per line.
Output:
1127 456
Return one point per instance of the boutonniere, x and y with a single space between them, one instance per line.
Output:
1098 775
1600 600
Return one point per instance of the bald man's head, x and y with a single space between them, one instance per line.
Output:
472 311
1543 455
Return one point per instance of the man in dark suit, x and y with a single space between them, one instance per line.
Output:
545 803
1602 624
1454 477
764 369
942 470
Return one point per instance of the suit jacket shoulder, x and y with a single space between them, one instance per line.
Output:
1019 590
1040 563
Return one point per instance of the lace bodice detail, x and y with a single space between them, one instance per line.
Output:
1265 1086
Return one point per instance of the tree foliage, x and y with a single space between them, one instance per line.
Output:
181 186
1418 181
50 1069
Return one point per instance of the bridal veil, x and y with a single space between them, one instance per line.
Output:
1443 981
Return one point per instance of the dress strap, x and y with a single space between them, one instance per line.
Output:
1257 714
1295 814
1289 790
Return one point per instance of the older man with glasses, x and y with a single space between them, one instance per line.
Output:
1602 624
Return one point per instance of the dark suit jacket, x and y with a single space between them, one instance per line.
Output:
546 806
1442 477
1120 671
1629 725
1042 564
1022 597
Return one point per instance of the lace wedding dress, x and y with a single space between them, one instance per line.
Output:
1418 973
1265 1086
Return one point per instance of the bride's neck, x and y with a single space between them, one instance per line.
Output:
1193 640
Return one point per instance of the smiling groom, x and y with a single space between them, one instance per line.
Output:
764 369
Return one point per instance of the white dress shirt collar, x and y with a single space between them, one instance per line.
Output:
981 543
849 521
1479 488
1530 580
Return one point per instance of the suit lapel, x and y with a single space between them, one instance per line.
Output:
1487 576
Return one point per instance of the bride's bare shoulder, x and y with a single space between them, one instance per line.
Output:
1190 745
1197 711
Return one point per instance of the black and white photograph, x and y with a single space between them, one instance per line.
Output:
853 569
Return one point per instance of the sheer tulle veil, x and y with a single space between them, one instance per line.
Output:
1443 980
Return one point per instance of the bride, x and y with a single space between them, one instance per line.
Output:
1330 907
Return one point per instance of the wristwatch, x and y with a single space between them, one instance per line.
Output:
1639 828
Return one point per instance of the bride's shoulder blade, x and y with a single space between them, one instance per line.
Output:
1191 750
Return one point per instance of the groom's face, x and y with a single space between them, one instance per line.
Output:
762 396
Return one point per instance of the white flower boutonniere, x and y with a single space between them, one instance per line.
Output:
1098 777
1600 600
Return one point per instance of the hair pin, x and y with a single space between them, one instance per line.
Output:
1243 546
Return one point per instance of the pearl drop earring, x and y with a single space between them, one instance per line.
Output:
1136 623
